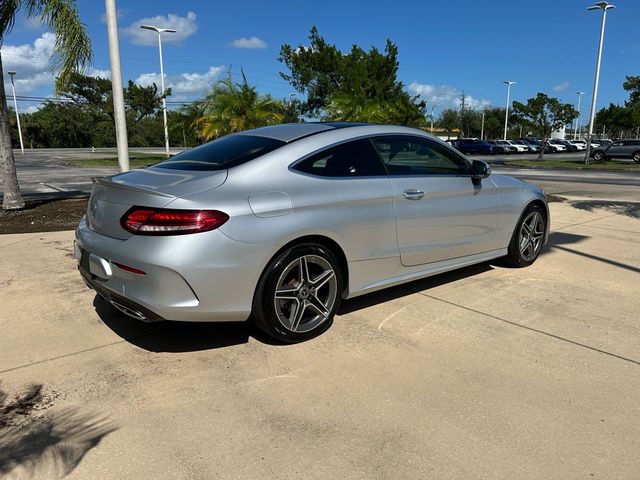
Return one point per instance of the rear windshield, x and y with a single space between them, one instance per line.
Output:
223 153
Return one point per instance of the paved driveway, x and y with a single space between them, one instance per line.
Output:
489 373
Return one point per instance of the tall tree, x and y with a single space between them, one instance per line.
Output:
632 85
619 119
232 107
545 115
326 75
72 52
449 120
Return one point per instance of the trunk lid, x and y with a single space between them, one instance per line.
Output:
112 197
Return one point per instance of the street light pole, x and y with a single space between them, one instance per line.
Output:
15 106
160 31
431 118
604 6
575 130
116 86
482 127
506 114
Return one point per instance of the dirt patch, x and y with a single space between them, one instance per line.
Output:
22 407
44 216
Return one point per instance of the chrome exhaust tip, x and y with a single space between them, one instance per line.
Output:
128 311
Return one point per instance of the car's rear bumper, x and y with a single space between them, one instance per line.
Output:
201 277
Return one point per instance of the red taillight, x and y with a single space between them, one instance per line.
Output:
129 269
150 221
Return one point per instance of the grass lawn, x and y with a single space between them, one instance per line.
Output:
575 165
136 160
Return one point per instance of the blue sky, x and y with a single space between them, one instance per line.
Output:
444 47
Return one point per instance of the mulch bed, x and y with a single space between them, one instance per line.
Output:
47 215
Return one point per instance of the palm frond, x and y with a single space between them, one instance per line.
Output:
73 45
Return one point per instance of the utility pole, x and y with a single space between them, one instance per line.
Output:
575 130
462 99
482 127
116 84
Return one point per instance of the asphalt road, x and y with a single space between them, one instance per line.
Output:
47 171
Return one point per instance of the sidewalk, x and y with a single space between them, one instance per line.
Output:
488 372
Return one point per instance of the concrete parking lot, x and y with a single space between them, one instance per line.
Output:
488 372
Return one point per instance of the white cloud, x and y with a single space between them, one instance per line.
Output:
97 72
31 62
184 26
253 42
29 109
184 83
561 87
445 96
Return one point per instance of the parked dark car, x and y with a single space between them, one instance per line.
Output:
618 149
478 147
501 148
534 145
570 146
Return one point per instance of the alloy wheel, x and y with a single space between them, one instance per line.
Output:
531 236
305 293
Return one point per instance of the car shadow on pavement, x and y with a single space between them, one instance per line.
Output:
38 443
629 209
387 294
167 336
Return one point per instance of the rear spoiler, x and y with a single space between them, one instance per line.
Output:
106 181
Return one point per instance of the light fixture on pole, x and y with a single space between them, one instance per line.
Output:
160 31
15 106
506 114
604 6
575 130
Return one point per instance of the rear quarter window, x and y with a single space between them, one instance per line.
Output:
223 153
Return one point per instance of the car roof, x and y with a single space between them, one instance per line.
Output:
289 132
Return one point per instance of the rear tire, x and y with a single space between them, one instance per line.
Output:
598 156
528 238
636 157
298 293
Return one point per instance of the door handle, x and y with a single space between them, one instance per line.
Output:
413 194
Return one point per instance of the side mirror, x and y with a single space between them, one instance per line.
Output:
480 170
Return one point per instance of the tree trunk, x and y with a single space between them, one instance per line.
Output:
542 148
12 200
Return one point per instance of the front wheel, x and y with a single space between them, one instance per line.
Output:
528 238
298 294
636 157
598 156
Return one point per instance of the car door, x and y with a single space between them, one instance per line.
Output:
616 150
440 213
629 146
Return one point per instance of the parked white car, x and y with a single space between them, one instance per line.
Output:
555 146
521 147
578 144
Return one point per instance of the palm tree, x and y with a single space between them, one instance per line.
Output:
72 52
232 107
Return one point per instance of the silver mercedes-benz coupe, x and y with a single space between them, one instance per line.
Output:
280 223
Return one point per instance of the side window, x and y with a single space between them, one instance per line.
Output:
352 159
416 156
